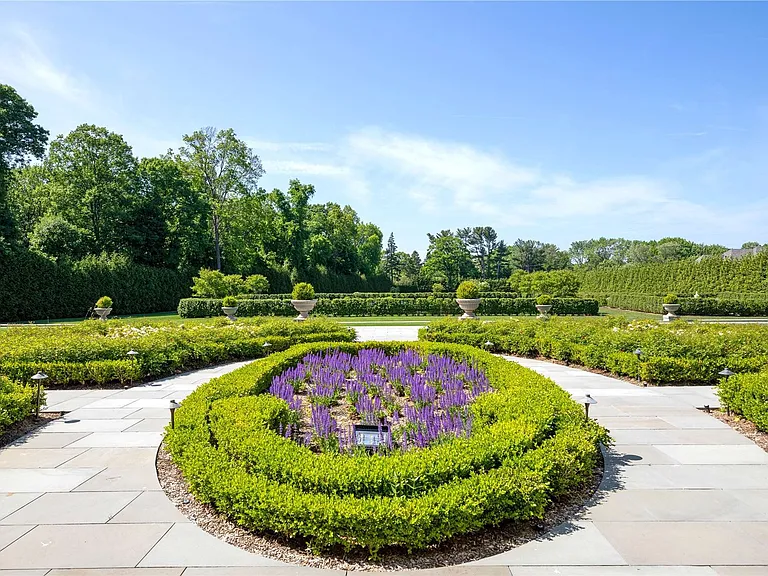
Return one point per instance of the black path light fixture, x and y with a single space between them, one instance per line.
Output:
588 400
38 378
266 346
132 355
638 353
726 373
488 345
172 406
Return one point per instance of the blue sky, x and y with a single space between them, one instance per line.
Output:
545 120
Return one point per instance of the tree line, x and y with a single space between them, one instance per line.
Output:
194 207
201 206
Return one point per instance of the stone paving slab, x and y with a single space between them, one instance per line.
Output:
113 458
120 479
695 477
21 457
115 572
101 413
119 440
271 571
639 455
149 507
574 543
44 479
698 454
12 501
72 508
656 437
8 534
39 440
71 425
82 546
684 543
612 571
187 545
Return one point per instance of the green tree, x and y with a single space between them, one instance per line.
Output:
20 139
97 186
391 262
57 238
221 167
527 255
748 245
411 267
292 209
448 260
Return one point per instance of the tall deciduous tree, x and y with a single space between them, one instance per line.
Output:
222 167
97 186
20 139
448 259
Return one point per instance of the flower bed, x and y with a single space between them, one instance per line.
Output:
670 353
95 352
529 443
412 400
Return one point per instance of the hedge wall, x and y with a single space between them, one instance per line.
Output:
334 295
385 306
675 353
754 305
32 287
712 275
530 444
17 401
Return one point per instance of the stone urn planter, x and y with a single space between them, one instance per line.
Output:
468 306
102 312
303 307
230 311
543 310
671 312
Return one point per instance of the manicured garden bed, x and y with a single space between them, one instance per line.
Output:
95 353
675 353
253 456
747 395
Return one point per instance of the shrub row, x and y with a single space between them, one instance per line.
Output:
389 306
747 395
712 275
16 402
530 444
94 352
336 295
34 287
755 305
677 353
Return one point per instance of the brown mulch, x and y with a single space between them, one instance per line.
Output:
744 427
457 550
22 427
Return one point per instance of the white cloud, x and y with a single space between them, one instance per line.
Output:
24 64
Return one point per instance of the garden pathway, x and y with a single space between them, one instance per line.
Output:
684 495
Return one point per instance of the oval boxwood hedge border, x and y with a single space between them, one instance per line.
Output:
530 444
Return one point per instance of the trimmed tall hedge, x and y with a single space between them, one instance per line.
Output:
745 305
530 444
385 306
747 395
712 275
335 295
32 287
676 353
94 352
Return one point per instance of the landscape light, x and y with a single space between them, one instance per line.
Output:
726 373
587 401
132 355
39 377
488 344
266 345
370 436
172 405
638 353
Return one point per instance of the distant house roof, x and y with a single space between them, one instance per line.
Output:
736 253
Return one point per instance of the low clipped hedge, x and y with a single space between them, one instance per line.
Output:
747 395
530 444
385 306
684 353
94 352
730 305
337 295
17 401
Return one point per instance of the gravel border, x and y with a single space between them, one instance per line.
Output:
457 550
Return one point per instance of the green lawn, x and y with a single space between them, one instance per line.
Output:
402 320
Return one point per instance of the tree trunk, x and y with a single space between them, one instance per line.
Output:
216 240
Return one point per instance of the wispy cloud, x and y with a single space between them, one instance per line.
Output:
688 134
24 63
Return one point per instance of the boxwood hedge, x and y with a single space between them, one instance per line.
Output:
747 395
723 305
385 306
94 352
530 444
17 401
671 353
